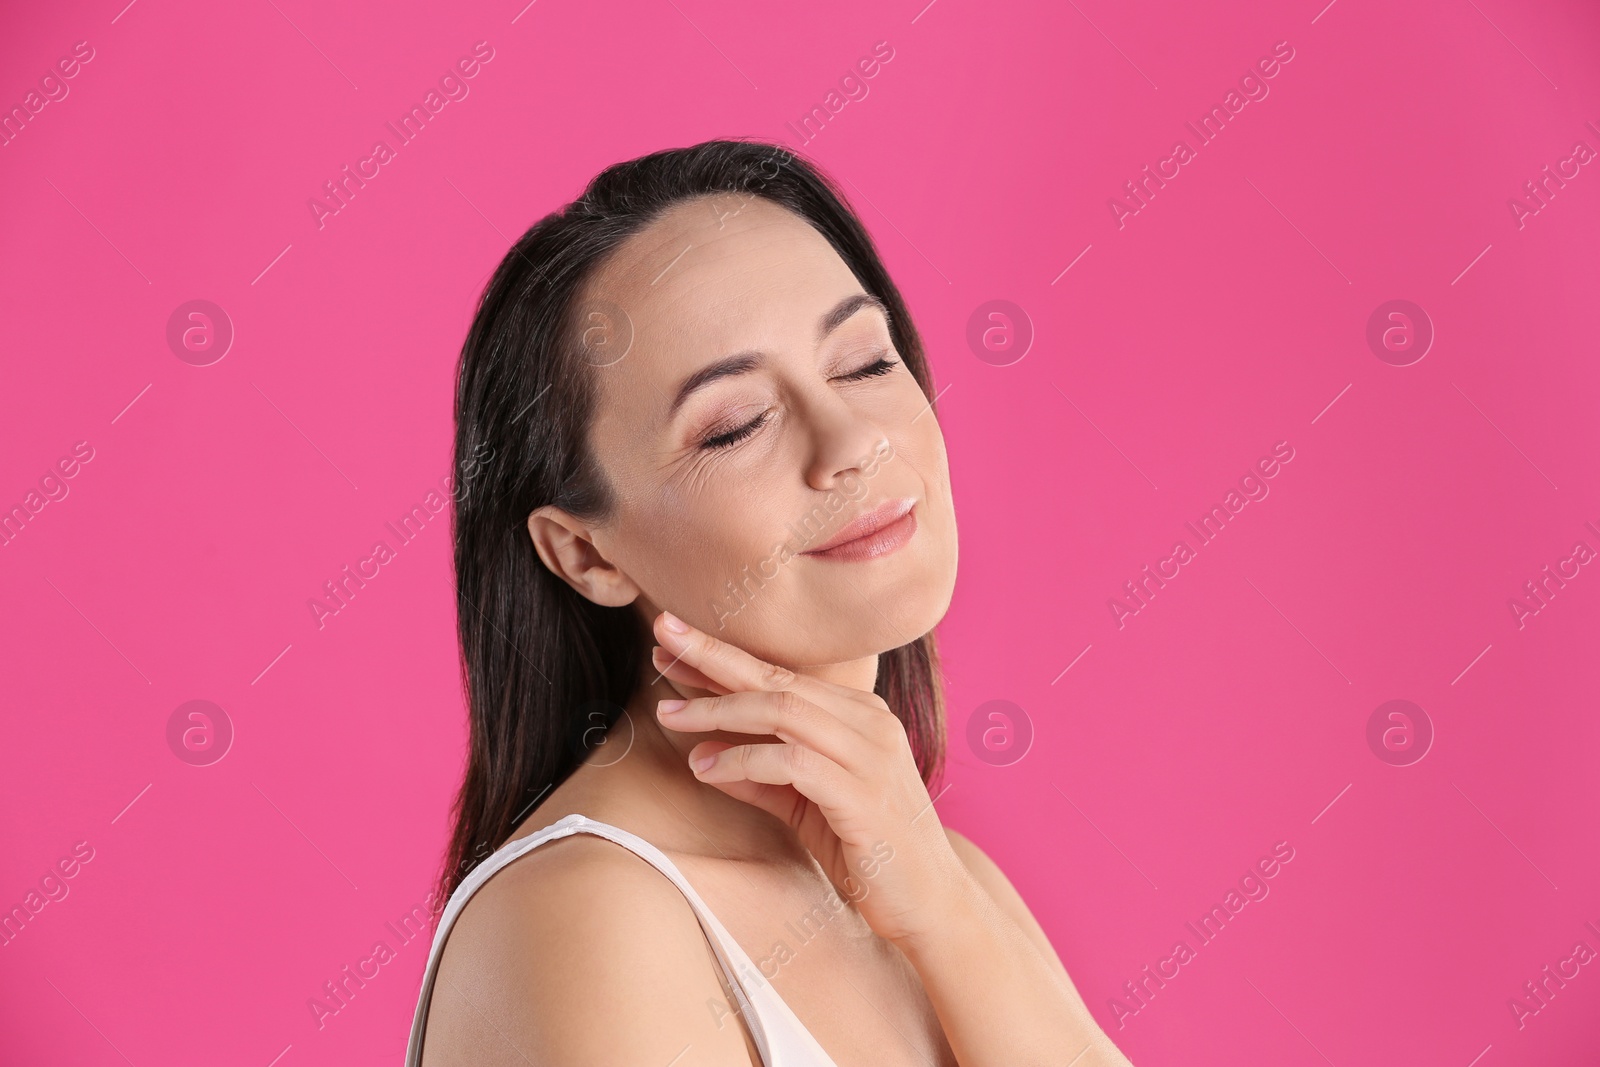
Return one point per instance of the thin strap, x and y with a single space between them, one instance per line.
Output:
730 957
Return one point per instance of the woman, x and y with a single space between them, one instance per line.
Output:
696 393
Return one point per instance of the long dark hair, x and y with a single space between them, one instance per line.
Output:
546 670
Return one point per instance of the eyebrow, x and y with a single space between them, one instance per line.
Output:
744 362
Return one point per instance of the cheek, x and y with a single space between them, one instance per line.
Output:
698 538
920 449
920 446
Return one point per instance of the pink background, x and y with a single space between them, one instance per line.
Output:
1228 314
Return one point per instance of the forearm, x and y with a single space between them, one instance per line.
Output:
1000 1002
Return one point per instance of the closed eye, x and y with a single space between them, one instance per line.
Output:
871 370
733 437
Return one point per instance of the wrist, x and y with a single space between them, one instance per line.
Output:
955 908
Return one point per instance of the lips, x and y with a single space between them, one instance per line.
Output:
886 514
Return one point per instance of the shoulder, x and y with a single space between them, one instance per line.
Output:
580 952
977 862
988 874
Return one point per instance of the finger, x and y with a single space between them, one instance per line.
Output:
783 802
728 664
785 715
672 667
820 779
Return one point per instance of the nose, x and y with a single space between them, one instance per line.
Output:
843 439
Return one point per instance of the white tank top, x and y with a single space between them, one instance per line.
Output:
779 1036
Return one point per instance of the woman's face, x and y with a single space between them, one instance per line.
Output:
760 407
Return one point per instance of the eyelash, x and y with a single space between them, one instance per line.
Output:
733 437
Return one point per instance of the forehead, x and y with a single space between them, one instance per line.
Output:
719 274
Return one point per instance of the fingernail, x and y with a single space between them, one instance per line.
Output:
702 762
666 706
673 623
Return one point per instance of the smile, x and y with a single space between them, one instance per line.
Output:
875 534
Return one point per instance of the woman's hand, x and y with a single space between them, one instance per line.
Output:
843 778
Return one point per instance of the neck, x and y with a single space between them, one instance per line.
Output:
654 765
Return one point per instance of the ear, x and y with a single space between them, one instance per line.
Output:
566 545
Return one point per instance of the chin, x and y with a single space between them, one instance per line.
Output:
901 611
929 607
